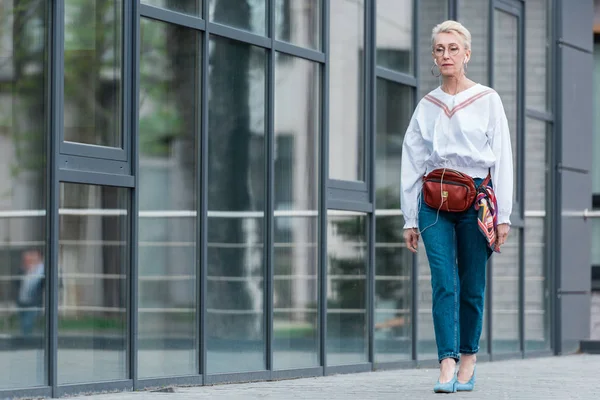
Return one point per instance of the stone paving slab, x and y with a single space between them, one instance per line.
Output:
566 377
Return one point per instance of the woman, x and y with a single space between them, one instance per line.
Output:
460 126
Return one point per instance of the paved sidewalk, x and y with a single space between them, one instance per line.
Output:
567 377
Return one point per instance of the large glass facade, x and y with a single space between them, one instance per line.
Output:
93 43
235 320
296 339
347 156
92 262
505 292
168 162
206 191
24 110
393 263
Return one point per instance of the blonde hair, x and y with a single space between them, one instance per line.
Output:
451 26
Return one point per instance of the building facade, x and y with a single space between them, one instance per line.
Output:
196 192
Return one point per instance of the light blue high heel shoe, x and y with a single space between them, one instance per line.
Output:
448 387
468 386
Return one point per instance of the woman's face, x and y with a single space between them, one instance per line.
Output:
450 54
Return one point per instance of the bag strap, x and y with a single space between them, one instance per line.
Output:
487 179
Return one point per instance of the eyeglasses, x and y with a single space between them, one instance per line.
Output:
452 50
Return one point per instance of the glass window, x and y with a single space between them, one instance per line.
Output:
23 198
537 290
347 260
168 106
505 296
506 58
235 320
395 34
537 42
192 7
537 311
346 85
296 252
248 15
393 262
299 22
93 110
93 266
431 13
475 15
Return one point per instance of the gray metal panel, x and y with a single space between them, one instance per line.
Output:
172 17
26 393
576 107
577 21
575 320
348 196
237 377
576 191
145 384
93 178
297 373
116 386
575 255
96 165
292 50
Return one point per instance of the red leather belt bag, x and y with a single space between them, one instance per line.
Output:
450 190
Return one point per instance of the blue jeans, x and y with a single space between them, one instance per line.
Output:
457 253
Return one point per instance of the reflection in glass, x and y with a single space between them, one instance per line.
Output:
393 262
235 321
395 35
506 40
475 15
167 321
93 43
192 7
537 299
299 22
346 288
296 255
431 13
248 15
537 42
23 140
537 311
505 296
93 265
346 85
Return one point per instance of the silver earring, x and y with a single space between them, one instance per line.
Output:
439 72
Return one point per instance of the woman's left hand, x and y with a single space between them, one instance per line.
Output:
502 234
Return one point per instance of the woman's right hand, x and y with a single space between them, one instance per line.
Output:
411 237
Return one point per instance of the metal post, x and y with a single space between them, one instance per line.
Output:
324 177
269 187
132 30
203 201
56 126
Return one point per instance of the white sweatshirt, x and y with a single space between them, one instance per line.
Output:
467 132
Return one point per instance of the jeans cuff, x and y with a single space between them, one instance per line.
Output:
449 355
469 351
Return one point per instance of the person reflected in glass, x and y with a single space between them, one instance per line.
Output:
462 126
31 290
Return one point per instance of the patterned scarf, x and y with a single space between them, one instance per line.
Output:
487 218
